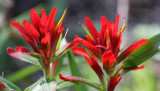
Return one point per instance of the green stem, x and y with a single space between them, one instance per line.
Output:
104 83
47 72
119 68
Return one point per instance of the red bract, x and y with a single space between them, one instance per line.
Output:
113 82
109 61
91 59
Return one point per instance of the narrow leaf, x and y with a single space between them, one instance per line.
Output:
143 53
75 72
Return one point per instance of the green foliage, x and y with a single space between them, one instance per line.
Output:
75 71
21 74
143 53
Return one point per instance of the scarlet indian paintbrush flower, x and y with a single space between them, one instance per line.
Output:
106 44
42 36
104 47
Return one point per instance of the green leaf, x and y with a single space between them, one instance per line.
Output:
75 72
9 84
143 53
21 74
64 85
33 85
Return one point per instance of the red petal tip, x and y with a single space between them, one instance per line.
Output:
87 18
22 50
61 77
10 50
141 67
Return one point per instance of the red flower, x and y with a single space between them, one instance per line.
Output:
107 42
105 45
43 33
42 36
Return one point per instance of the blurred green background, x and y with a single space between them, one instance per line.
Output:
142 18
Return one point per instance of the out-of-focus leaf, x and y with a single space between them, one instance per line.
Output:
143 53
21 74
75 72
64 85
33 85
9 84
